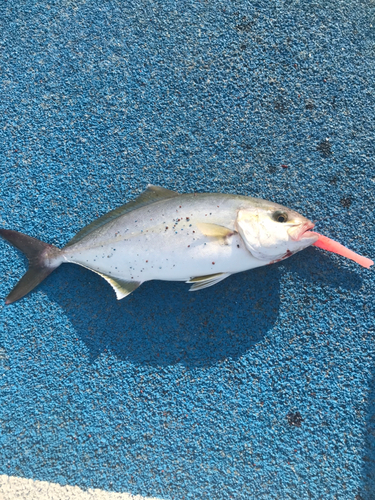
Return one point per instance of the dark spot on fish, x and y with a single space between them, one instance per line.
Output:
180 206
213 263
193 231
294 418
238 246
166 227
146 260
346 202
325 148
188 246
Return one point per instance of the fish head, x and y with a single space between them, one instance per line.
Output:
273 232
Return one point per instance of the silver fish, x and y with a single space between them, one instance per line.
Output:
163 235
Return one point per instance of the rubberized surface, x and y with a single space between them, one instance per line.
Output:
261 387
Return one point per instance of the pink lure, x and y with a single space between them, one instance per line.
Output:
332 246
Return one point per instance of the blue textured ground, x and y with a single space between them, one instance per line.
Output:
261 387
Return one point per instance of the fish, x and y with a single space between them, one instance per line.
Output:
198 238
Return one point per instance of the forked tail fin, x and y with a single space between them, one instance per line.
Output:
43 259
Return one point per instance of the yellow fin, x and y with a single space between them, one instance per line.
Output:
201 282
214 230
208 277
121 287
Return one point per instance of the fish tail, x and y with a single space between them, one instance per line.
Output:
43 259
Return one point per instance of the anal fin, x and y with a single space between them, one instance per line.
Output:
200 282
121 287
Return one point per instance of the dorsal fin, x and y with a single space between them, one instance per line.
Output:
150 195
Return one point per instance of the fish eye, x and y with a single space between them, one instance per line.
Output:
280 217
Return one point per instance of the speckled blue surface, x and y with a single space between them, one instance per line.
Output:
261 387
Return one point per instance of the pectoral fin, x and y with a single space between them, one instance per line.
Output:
215 230
201 282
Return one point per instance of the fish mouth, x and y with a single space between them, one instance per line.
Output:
301 231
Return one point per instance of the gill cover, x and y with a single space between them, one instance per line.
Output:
270 239
259 240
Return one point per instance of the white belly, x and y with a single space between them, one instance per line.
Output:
176 254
